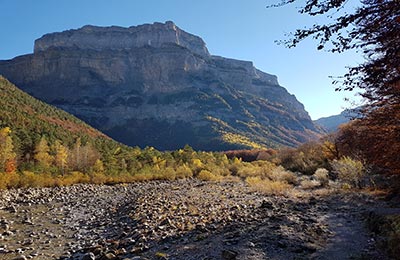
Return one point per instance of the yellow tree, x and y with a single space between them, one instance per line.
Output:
41 154
61 156
98 167
7 155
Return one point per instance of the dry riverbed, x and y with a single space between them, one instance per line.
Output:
186 219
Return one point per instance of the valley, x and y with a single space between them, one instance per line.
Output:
136 142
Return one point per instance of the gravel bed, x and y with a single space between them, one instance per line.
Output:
186 219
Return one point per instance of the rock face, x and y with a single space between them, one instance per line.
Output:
119 38
157 85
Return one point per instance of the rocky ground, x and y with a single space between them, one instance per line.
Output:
186 219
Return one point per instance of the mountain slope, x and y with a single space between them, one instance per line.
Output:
332 123
30 119
158 85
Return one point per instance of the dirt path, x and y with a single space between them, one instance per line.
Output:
181 220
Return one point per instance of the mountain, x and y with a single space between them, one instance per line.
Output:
29 119
158 85
332 123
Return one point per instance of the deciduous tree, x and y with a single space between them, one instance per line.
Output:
373 29
41 154
61 156
7 154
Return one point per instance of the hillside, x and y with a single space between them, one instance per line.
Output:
157 85
30 119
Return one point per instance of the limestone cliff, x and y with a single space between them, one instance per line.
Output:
119 38
158 85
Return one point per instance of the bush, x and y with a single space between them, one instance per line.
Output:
309 184
256 169
322 175
74 178
349 171
305 159
267 186
98 178
9 180
205 175
280 174
183 171
168 174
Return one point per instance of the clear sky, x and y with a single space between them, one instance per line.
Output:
240 29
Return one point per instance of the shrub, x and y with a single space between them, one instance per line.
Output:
98 178
168 174
256 169
218 170
348 170
183 171
280 174
74 177
30 179
322 175
387 227
9 180
305 159
267 186
205 175
309 184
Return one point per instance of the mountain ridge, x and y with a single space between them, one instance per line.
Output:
164 94
332 123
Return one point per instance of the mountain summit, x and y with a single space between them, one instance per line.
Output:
119 38
157 85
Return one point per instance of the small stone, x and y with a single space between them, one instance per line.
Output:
27 221
282 244
108 256
34 254
98 251
27 242
8 233
267 205
229 255
5 227
89 256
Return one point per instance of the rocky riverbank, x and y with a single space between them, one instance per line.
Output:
186 219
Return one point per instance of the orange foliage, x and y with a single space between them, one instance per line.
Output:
375 139
10 166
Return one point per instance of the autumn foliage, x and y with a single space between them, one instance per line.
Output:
376 139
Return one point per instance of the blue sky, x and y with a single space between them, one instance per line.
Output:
239 29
